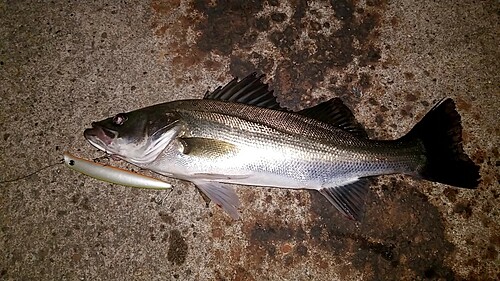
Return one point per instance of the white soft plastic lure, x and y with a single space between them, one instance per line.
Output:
112 174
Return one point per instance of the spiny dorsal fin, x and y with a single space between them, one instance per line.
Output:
250 90
349 199
335 112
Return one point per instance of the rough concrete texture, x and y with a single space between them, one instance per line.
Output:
64 64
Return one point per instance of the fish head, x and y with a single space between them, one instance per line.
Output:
137 137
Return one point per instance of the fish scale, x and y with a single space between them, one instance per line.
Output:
239 134
336 153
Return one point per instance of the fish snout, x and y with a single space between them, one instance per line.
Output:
98 132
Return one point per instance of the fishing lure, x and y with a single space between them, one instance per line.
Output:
113 174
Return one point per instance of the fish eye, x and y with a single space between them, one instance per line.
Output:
119 119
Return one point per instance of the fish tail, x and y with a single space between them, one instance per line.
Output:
440 132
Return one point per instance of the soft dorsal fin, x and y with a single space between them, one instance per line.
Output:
250 90
336 113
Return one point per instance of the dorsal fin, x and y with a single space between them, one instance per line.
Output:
336 113
250 90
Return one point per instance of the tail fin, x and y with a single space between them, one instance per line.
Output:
440 131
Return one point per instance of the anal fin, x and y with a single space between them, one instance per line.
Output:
349 199
222 195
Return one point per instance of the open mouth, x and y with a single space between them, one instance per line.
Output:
99 137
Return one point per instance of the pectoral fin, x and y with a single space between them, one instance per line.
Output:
218 177
222 195
349 199
207 148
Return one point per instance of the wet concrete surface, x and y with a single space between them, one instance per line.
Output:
64 64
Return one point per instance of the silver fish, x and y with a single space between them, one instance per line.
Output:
239 134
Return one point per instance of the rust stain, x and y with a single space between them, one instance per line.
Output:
409 75
286 248
394 21
227 25
451 194
393 235
217 232
411 97
347 32
462 105
166 218
464 209
401 236
479 156
311 46
164 7
241 274
177 248
161 31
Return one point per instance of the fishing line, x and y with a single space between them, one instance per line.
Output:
98 159
162 200
33 173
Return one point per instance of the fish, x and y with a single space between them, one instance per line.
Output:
239 134
112 174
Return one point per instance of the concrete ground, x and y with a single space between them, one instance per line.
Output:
64 64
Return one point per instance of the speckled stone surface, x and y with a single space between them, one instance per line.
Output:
64 64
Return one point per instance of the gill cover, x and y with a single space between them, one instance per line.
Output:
137 136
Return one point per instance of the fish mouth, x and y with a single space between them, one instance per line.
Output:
99 136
